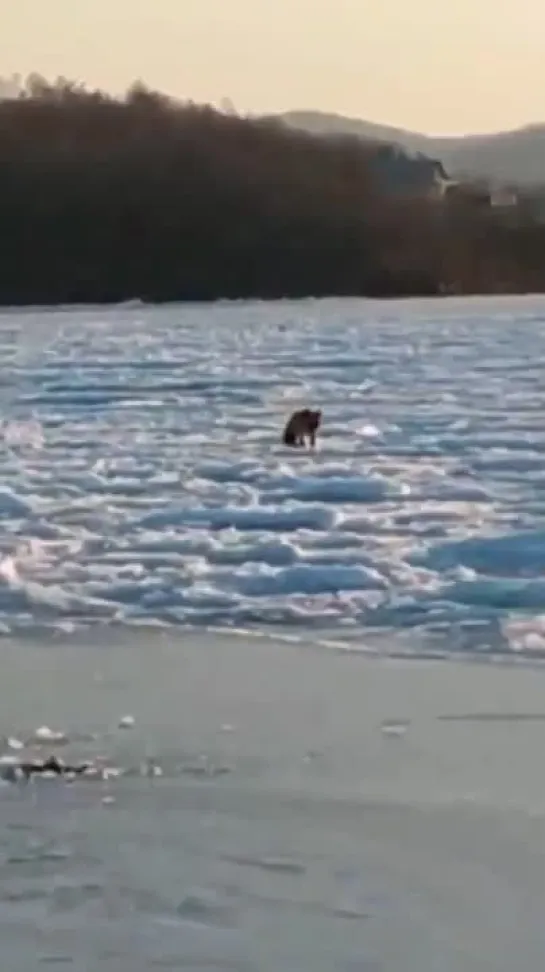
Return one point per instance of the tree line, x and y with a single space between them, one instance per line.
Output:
107 199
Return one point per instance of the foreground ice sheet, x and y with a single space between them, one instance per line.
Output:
144 479
330 841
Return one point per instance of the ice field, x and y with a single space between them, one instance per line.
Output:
144 479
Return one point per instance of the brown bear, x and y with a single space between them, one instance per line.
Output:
302 424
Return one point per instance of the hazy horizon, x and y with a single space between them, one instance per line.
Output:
460 70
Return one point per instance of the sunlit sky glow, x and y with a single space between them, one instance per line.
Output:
427 65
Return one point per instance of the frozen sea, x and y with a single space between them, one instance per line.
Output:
144 479
310 686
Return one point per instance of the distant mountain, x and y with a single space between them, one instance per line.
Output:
516 157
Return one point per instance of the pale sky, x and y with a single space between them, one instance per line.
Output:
428 65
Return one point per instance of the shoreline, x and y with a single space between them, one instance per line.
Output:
373 641
425 731
140 303
315 810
